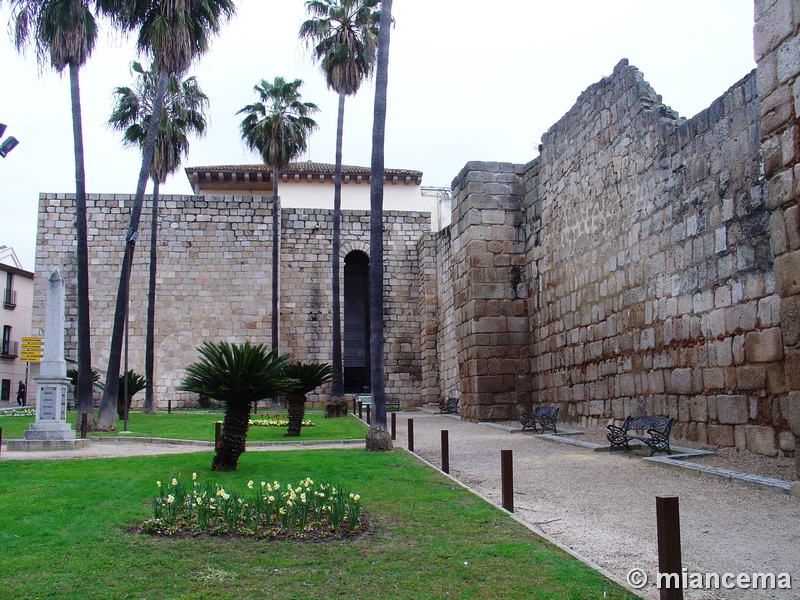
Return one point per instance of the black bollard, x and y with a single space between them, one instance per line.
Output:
84 425
354 406
445 451
360 411
394 426
507 476
217 434
369 407
668 525
1 439
411 435
169 406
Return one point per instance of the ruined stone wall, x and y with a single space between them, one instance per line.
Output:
649 246
777 52
447 347
214 280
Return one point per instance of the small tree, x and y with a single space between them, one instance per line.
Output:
136 383
309 377
238 375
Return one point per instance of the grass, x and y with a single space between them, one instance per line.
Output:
192 425
63 536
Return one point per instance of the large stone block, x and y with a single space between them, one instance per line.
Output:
786 441
790 320
751 377
698 409
790 409
720 435
680 381
761 440
764 346
732 410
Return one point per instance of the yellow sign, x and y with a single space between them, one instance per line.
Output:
30 358
31 342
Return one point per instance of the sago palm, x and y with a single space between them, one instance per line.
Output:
343 35
277 127
309 376
174 33
237 374
63 33
136 383
182 115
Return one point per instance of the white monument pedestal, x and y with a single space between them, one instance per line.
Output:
50 431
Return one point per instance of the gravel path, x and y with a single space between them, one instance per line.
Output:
601 505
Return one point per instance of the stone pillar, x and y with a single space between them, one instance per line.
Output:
777 52
490 291
429 310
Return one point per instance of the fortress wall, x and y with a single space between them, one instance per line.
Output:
654 287
214 280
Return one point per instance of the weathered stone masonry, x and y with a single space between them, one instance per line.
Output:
214 280
628 269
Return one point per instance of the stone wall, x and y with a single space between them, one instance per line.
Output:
626 270
777 52
214 280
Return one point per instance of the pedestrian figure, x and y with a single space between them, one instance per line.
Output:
21 394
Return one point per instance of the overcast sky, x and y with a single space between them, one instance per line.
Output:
467 81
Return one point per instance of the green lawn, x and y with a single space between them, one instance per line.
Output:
192 425
62 534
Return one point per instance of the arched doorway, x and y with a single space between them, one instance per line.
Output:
356 323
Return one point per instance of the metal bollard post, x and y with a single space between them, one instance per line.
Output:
507 476
84 425
668 525
354 406
369 410
445 451
394 426
411 435
361 411
169 406
1 439
217 433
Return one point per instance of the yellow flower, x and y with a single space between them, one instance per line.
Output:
158 483
283 512
194 476
264 484
174 481
356 497
250 484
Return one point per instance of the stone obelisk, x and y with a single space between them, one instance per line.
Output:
50 431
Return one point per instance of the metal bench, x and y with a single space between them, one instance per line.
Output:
542 416
449 406
657 429
367 401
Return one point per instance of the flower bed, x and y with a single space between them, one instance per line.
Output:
276 420
268 510
19 412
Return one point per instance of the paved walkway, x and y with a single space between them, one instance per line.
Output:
603 505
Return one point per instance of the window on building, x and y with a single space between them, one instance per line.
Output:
6 349
9 295
356 323
5 391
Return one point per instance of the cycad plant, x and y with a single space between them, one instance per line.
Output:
136 383
309 376
238 374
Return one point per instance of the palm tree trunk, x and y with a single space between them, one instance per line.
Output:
233 438
337 384
297 410
378 438
149 351
105 418
276 265
84 389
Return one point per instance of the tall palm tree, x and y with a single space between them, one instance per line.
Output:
309 376
183 113
174 33
378 438
238 375
344 35
277 127
64 33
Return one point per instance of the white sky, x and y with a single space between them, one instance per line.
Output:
467 81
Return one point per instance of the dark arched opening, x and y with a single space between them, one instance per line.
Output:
356 323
